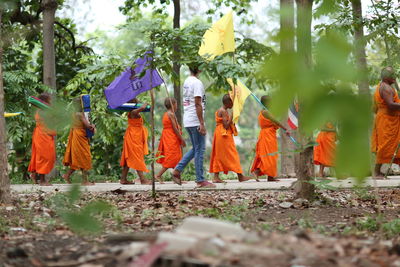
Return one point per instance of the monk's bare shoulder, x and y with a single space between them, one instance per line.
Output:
385 88
221 112
171 116
266 114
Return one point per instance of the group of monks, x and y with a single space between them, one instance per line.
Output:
77 155
224 155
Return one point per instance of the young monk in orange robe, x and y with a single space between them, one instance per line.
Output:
135 146
265 161
77 155
224 156
171 141
43 147
324 152
386 134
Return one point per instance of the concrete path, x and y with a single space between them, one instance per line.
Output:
393 181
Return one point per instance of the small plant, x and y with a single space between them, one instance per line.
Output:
363 193
227 212
392 228
304 223
323 184
147 214
281 228
266 227
368 224
82 220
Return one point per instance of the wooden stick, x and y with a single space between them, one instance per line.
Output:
153 177
391 162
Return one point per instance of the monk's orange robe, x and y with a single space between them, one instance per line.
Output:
324 152
224 156
135 145
169 148
373 139
43 148
266 158
386 135
77 155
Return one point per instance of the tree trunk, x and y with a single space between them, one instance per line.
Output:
49 59
4 180
359 48
305 169
176 66
286 47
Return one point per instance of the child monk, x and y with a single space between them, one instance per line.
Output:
171 141
77 155
135 146
224 156
265 161
324 152
43 147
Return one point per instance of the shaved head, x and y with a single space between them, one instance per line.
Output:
226 99
265 100
388 73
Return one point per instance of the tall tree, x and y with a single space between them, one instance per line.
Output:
4 180
176 66
49 59
305 168
359 47
286 48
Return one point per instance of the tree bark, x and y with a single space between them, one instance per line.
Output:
286 47
5 196
175 65
359 48
305 169
49 59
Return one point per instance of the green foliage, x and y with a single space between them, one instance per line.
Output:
134 8
373 224
227 212
381 24
363 193
82 220
368 223
22 64
326 93
323 184
392 228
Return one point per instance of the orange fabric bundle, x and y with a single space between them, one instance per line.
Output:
170 145
266 148
77 154
224 156
324 152
386 134
135 145
43 148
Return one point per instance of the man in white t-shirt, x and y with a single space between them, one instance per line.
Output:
194 100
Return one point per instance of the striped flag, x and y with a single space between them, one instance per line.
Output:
293 121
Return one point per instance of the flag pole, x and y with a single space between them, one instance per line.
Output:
153 178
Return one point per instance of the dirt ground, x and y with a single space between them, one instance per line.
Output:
33 233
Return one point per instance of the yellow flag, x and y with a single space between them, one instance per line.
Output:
219 39
238 94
